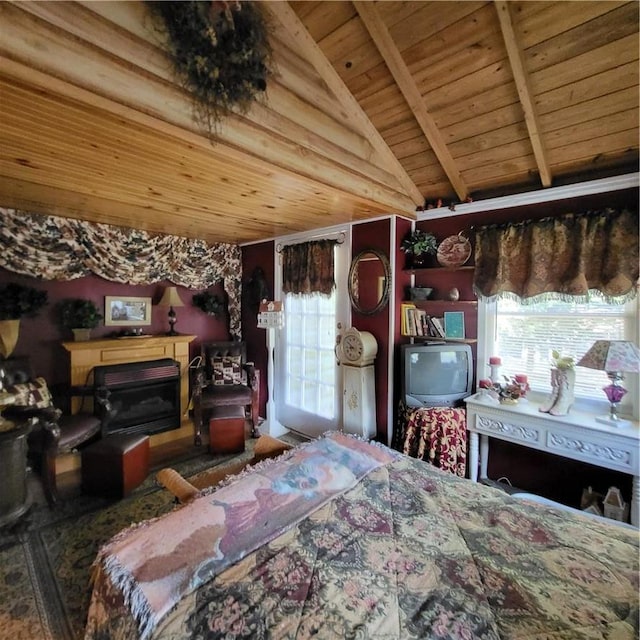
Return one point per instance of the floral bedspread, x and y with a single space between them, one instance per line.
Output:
410 551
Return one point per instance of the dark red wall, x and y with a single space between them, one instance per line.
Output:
402 280
256 255
551 476
41 337
375 235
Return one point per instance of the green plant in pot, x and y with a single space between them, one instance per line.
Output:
208 302
17 301
419 245
79 315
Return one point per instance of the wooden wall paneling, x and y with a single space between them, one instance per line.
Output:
512 171
322 18
588 64
463 47
599 107
601 84
296 30
595 148
549 19
595 128
349 37
494 76
407 86
423 23
90 63
490 138
486 102
579 32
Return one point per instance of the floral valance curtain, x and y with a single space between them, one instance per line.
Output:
561 257
56 248
308 267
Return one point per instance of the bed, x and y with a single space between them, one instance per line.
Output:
341 538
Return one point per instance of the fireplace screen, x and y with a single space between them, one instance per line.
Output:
144 396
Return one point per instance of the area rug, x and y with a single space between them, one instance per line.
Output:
45 562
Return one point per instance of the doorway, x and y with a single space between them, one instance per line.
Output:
308 389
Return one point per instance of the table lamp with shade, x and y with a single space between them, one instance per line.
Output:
171 298
616 357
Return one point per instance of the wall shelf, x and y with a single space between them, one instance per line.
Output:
441 269
443 303
414 339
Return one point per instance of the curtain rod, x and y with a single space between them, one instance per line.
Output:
342 236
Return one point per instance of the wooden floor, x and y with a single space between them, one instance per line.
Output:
164 449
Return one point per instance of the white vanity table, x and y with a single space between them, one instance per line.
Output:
576 435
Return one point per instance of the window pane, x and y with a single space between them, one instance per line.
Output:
310 379
527 334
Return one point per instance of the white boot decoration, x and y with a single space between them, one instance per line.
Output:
551 400
566 382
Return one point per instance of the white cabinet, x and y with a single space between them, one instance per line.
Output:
577 436
359 401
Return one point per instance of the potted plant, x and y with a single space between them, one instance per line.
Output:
79 315
208 302
419 245
16 301
221 52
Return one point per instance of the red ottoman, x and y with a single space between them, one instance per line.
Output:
115 465
226 429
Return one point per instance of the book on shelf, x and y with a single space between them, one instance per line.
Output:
438 325
405 318
415 322
454 324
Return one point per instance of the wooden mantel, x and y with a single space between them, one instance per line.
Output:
93 353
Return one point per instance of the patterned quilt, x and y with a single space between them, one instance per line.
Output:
405 551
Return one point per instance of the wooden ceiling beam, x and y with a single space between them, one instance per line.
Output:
523 85
394 61
287 17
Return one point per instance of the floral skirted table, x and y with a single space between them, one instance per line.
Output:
437 435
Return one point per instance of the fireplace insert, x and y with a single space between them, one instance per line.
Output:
144 396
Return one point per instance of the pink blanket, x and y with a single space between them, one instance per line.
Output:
158 562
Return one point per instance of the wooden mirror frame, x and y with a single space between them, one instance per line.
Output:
353 282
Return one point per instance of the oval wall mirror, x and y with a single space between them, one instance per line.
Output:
369 282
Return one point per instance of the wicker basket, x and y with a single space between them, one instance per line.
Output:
614 506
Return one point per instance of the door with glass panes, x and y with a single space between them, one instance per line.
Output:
308 392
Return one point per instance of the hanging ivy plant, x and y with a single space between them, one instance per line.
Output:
208 302
221 53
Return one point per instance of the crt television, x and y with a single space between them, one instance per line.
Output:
436 374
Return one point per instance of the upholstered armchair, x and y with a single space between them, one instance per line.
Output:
53 432
223 377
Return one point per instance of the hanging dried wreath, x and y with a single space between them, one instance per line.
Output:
221 53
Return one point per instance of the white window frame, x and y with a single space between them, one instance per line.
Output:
597 404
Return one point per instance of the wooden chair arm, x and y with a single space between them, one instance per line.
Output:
252 377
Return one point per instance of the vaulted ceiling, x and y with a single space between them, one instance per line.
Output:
372 108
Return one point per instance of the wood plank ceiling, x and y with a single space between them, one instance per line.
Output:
373 108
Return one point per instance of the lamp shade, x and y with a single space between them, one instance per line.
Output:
171 298
612 355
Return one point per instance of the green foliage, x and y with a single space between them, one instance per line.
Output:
17 301
78 313
208 302
562 362
220 51
419 242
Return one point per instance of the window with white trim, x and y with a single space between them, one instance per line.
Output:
524 336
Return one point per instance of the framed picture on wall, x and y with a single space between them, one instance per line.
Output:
124 311
454 324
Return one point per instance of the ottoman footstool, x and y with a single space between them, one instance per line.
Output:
226 429
115 465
